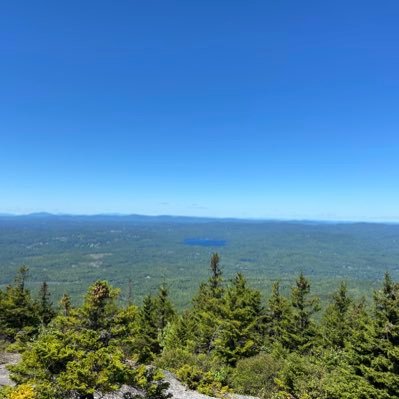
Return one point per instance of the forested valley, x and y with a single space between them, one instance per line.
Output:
230 339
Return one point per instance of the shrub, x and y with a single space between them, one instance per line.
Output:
24 391
255 375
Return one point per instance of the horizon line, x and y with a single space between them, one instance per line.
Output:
375 220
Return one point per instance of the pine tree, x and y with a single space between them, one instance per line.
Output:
303 330
240 333
66 304
383 372
209 307
163 308
216 274
100 307
18 313
373 343
336 323
147 343
277 318
181 333
44 305
359 349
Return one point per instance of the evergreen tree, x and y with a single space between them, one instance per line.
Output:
382 369
277 318
44 305
336 323
208 307
18 314
99 308
360 347
163 308
303 330
215 280
180 333
81 353
66 304
147 343
240 333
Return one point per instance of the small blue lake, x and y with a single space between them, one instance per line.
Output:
204 242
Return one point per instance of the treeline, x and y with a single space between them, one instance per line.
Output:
228 340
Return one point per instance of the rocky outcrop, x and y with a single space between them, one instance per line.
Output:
176 388
179 391
6 359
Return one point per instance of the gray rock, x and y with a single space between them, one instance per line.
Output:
6 359
176 389
120 394
179 391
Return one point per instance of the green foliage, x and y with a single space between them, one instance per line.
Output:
208 309
303 330
23 391
204 373
256 375
226 341
376 349
154 317
66 305
216 274
164 310
240 333
18 314
277 319
150 380
82 352
207 382
70 253
180 333
147 343
326 374
336 322
44 305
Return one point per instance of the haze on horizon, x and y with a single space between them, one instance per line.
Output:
220 109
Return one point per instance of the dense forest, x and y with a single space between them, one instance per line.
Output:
230 339
70 252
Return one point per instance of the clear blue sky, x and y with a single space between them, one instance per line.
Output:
280 109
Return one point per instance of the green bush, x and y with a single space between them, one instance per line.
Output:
208 383
255 375
202 372
174 359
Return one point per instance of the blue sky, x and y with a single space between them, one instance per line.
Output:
270 109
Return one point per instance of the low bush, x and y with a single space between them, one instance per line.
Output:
256 375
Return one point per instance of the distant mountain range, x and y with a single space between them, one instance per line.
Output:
115 217
136 218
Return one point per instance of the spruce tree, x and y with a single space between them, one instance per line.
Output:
240 332
383 372
66 304
277 318
18 314
163 308
303 330
44 305
209 307
99 307
216 274
147 344
336 322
